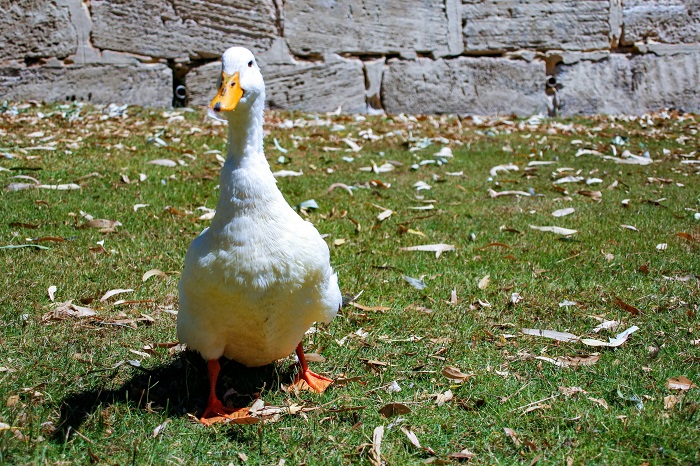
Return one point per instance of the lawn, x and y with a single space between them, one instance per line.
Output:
497 345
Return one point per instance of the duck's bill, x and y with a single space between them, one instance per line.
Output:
229 94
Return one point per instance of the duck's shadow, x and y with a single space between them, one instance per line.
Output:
181 386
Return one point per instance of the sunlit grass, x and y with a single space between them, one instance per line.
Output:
69 392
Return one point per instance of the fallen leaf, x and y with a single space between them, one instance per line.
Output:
454 374
625 307
510 433
606 324
52 292
462 455
442 398
613 342
414 282
563 212
111 293
600 401
670 401
553 334
370 308
60 187
413 438
571 361
557 230
494 194
503 168
436 248
159 429
680 383
286 173
394 409
101 223
163 162
484 282
375 455
629 227
571 391
152 273
384 215
340 185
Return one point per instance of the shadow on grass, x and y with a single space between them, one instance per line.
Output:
180 387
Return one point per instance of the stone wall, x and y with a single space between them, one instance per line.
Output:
420 56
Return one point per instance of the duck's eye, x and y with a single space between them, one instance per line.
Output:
250 64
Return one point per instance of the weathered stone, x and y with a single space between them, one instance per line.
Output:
35 28
465 85
313 87
503 25
180 28
667 21
629 84
138 85
316 27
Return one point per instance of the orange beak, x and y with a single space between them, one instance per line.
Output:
229 94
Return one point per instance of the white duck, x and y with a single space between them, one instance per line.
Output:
255 280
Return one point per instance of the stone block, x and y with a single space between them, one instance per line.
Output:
505 25
667 21
180 28
465 85
312 87
317 27
631 84
35 28
149 85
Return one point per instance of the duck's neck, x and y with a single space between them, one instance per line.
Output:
245 134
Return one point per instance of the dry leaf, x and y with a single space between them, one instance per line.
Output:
503 168
394 409
553 334
286 173
563 212
454 374
484 282
101 223
340 185
510 433
680 383
413 438
153 272
557 230
436 248
494 194
163 163
571 391
51 292
613 342
375 455
384 215
158 430
462 455
600 401
414 282
571 361
625 307
111 293
442 398
670 401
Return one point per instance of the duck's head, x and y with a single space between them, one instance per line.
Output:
240 84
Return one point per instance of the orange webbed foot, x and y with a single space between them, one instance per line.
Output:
217 412
316 383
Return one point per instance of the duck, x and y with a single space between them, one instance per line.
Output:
259 276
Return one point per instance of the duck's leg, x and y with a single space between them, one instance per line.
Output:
215 410
317 383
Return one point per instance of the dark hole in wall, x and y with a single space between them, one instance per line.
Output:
180 93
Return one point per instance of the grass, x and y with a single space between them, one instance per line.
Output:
84 390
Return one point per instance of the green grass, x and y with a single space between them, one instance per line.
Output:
70 395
